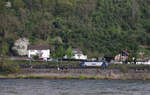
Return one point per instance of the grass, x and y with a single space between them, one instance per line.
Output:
3 73
6 67
84 77
81 77
126 67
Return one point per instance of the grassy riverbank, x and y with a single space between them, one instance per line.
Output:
8 67
80 77
72 70
51 76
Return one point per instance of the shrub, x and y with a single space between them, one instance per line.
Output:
36 57
8 67
18 3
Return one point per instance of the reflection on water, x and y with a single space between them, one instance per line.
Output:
73 87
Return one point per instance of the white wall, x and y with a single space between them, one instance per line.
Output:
77 56
80 56
44 53
145 63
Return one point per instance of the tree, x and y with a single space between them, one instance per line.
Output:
69 52
5 48
36 57
21 46
55 41
130 57
107 25
18 4
60 52
2 5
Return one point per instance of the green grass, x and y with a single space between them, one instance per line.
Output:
7 67
125 67
3 73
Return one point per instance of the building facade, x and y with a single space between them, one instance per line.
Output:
78 54
122 56
41 51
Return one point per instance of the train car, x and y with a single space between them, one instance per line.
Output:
93 64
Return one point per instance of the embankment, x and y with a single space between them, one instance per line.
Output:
81 73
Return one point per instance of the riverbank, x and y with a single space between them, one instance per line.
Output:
92 73
72 70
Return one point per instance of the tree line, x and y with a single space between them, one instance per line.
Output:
97 27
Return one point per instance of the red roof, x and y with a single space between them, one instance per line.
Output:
125 52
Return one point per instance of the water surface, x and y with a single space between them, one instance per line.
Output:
73 87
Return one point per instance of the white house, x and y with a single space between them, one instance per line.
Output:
41 51
78 54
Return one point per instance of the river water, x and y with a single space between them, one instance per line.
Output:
73 87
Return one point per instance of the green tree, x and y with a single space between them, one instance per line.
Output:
130 57
60 52
108 25
2 5
18 4
36 57
69 52
5 48
55 41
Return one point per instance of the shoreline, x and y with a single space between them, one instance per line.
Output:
80 76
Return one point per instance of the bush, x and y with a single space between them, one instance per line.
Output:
18 3
7 67
36 57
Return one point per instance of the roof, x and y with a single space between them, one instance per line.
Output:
38 47
126 52
77 51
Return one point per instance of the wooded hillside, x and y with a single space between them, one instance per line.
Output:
98 27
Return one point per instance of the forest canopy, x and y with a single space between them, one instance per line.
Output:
98 27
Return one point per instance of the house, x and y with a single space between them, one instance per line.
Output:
78 54
122 56
42 51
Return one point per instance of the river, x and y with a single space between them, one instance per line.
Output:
73 87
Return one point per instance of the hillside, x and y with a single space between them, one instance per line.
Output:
98 27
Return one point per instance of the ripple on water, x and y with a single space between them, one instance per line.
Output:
73 87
